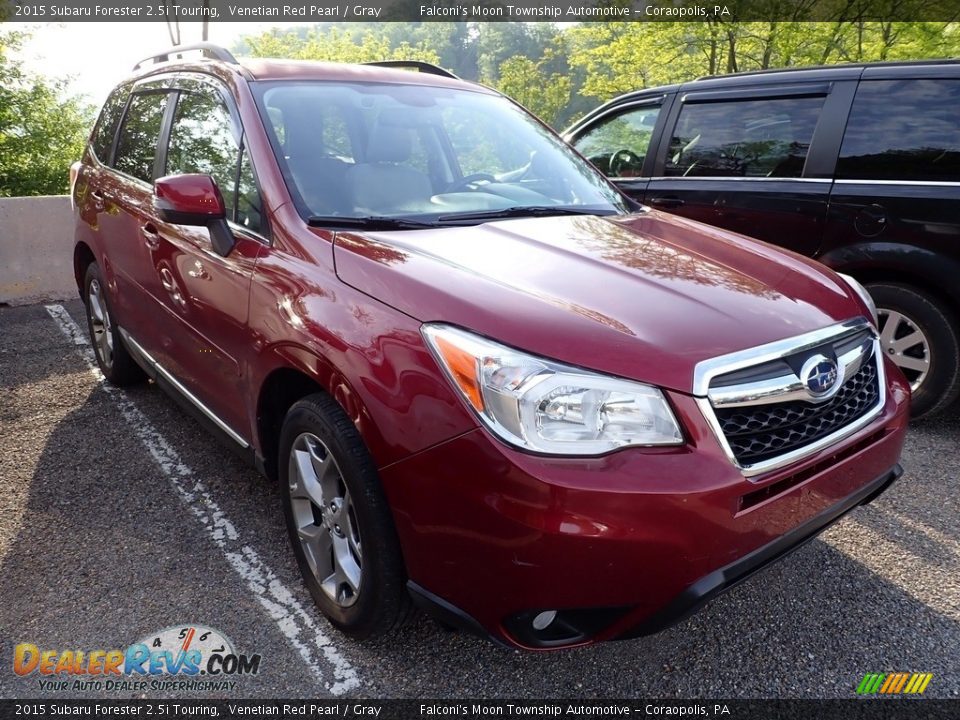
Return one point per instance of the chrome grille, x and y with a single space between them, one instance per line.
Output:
765 413
763 432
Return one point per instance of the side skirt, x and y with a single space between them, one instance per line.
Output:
211 422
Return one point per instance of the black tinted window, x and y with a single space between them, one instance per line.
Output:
744 138
617 145
903 130
107 124
137 145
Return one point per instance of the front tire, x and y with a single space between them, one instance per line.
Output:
116 363
339 521
920 335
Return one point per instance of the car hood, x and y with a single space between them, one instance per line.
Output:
645 296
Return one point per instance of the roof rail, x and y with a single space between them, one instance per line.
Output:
417 65
209 50
801 68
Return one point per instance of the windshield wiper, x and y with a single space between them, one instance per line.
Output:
521 211
373 222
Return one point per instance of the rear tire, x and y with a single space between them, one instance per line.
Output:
339 521
920 335
116 363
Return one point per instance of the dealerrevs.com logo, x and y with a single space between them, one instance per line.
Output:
181 657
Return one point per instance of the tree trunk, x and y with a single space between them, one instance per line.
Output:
731 52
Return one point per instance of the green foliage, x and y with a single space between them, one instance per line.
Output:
561 71
42 128
618 57
526 81
337 44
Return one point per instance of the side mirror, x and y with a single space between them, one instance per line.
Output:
194 200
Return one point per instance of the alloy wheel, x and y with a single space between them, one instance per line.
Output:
100 323
906 344
325 519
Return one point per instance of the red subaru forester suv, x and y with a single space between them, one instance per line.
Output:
487 383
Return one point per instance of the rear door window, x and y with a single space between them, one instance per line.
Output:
106 128
903 130
137 144
760 137
618 144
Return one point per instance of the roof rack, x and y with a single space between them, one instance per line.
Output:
417 65
206 49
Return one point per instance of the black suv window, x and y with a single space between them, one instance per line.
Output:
618 144
202 141
903 130
106 127
137 145
761 137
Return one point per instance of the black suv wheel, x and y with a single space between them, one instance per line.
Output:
920 335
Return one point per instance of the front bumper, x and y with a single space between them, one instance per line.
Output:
621 545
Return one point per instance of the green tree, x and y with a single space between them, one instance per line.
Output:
524 80
43 128
618 57
336 44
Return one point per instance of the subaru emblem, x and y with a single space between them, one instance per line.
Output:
820 376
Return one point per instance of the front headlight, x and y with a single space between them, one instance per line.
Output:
864 295
546 407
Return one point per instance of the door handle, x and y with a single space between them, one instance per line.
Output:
98 199
669 201
150 235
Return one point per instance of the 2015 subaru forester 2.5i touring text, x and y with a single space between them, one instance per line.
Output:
485 382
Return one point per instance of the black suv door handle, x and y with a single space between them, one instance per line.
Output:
668 201
150 235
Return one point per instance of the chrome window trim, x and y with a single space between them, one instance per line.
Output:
919 183
214 418
703 178
706 370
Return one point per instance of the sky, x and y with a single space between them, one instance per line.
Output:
99 55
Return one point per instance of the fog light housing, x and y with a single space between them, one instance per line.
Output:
560 628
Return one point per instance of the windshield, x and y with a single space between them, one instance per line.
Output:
435 155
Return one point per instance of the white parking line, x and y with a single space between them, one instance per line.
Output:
300 625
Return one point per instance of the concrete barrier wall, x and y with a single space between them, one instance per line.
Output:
36 249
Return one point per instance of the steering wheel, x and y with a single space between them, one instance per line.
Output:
623 160
467 180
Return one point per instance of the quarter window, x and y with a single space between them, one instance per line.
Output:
618 145
903 130
137 145
743 138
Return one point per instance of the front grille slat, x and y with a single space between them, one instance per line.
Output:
764 432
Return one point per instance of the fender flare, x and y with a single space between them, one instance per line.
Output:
918 266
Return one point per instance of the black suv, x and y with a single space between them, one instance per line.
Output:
855 165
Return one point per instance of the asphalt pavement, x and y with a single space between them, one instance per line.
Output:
120 516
